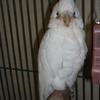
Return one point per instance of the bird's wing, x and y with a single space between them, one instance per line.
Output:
49 60
66 75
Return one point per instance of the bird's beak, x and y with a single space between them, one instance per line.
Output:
67 19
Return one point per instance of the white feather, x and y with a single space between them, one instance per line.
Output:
61 54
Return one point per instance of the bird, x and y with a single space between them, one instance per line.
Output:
62 50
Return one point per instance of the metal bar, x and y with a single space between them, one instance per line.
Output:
30 38
92 11
42 10
2 52
76 91
19 49
83 16
26 57
83 88
91 85
2 86
12 40
18 69
35 19
16 24
23 29
33 57
83 11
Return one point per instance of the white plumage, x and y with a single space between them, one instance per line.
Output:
62 50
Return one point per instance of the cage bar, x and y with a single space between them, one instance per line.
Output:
2 86
5 33
22 21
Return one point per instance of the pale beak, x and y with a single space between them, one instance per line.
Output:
67 19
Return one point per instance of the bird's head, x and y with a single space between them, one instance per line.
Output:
65 12
66 17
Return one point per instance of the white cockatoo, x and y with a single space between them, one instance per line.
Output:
62 50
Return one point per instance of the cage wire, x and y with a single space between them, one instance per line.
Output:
22 26
97 3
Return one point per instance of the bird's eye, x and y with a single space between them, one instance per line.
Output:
57 14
